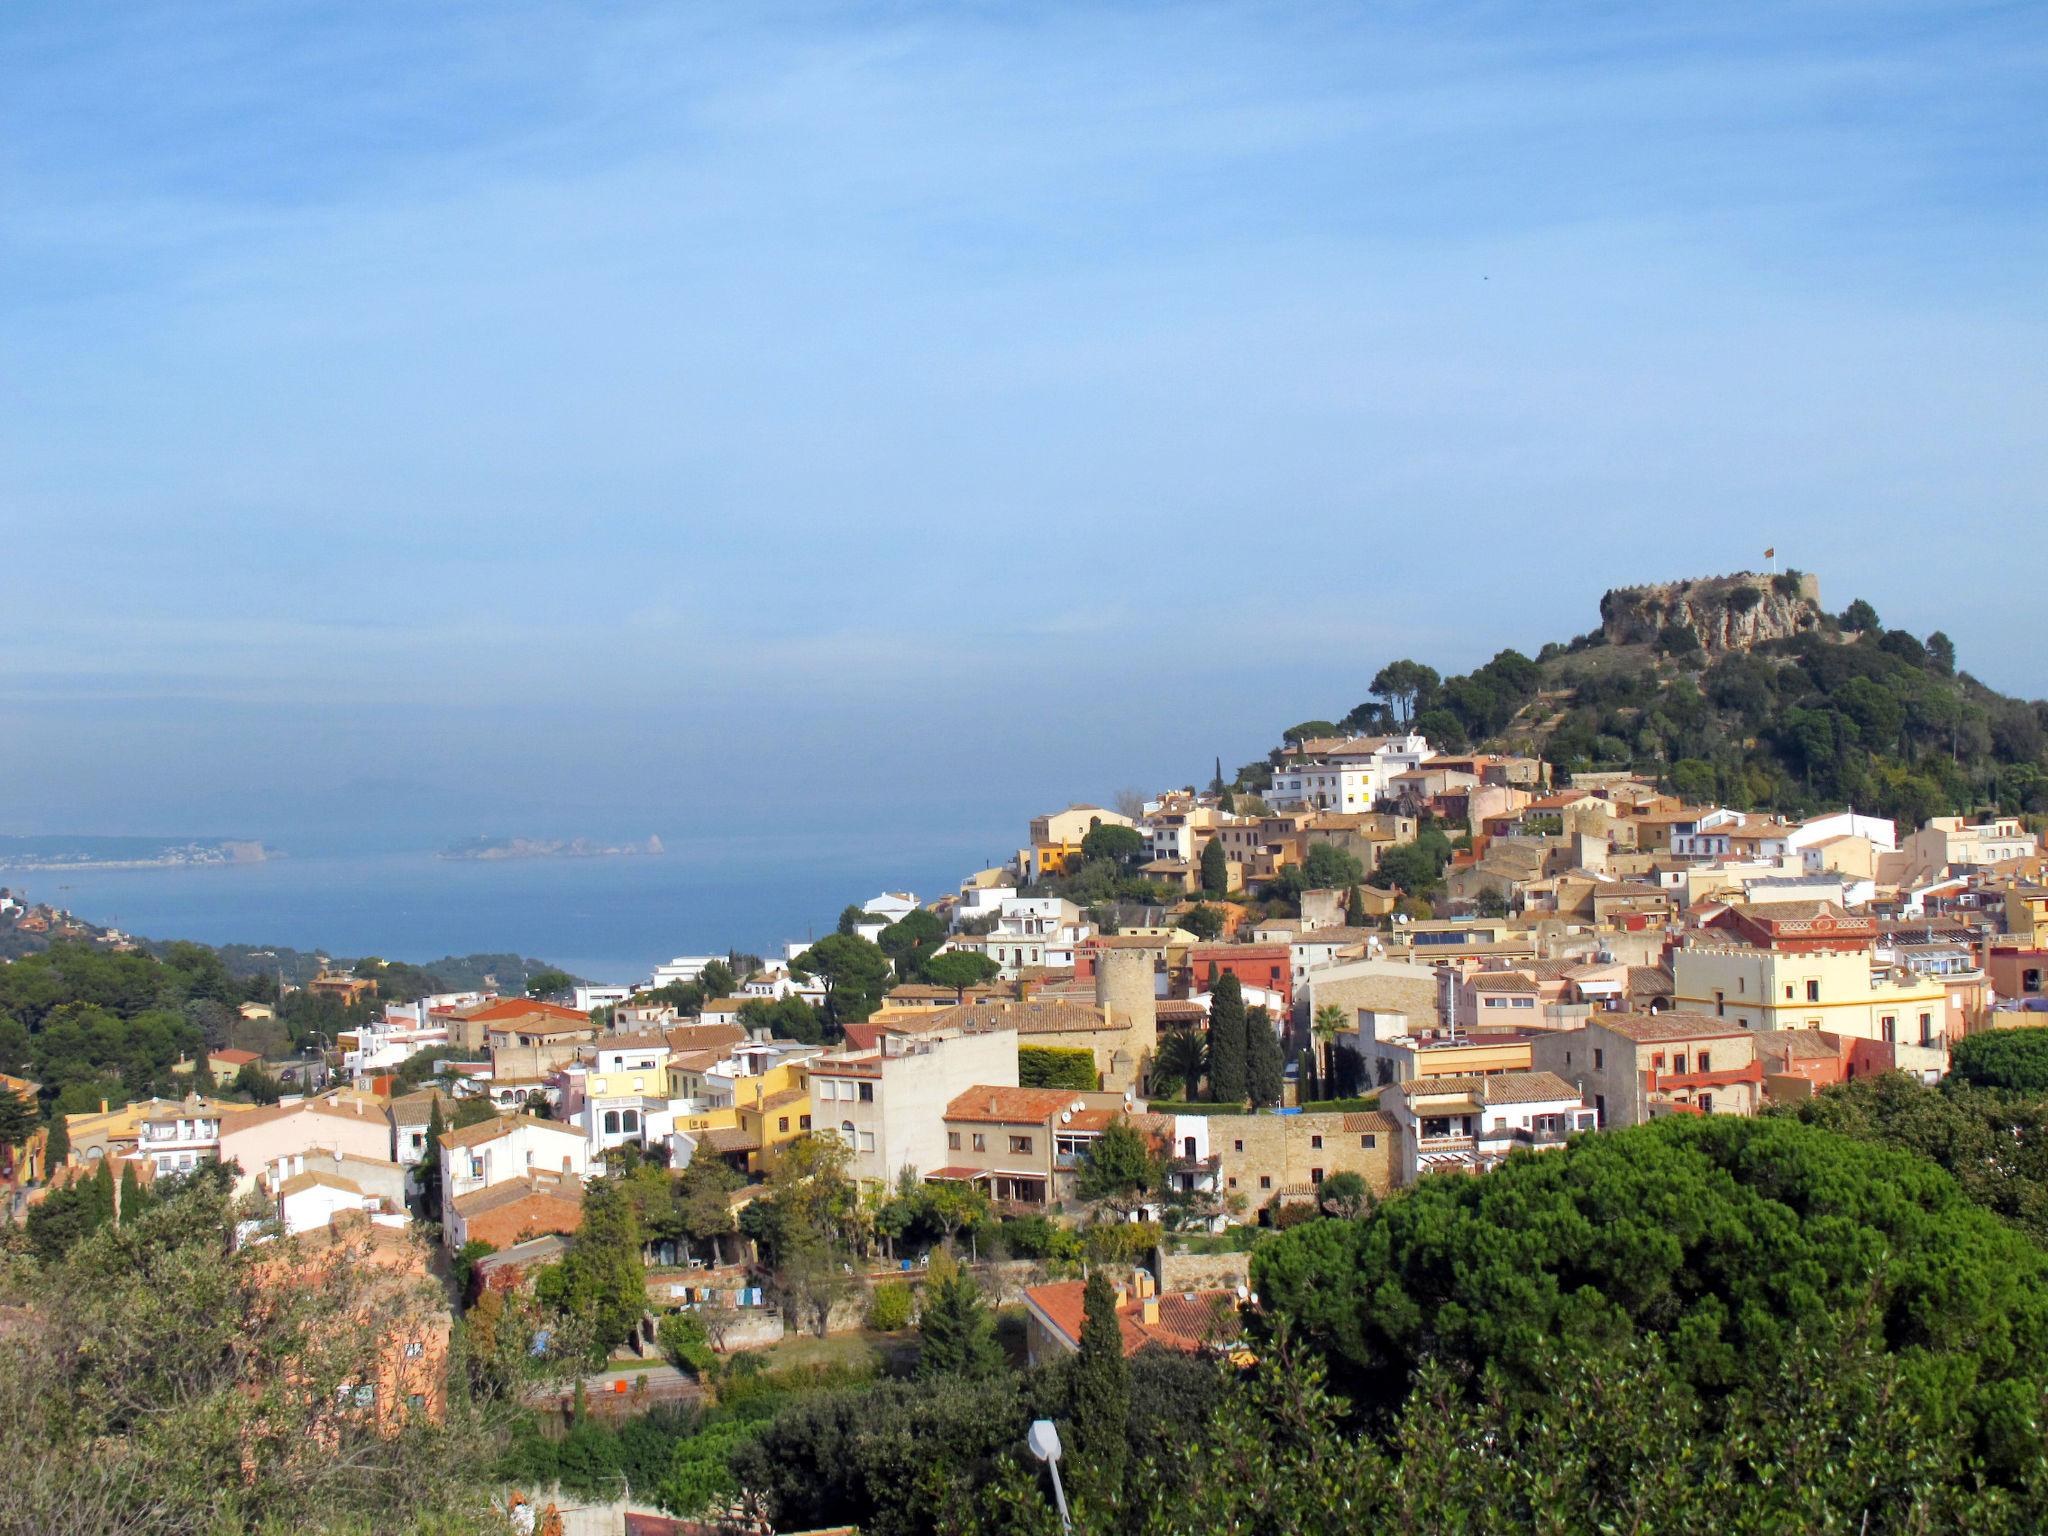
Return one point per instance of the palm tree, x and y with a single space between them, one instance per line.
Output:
1326 1026
1183 1055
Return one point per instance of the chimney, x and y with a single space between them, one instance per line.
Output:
1150 1312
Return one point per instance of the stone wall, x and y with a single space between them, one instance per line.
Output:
1202 1271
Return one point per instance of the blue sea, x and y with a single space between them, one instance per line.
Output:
607 920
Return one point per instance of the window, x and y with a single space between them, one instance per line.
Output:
1720 1007
803 1122
1926 1029
416 1402
414 1350
1706 1103
611 1122
1187 1146
867 1141
1656 1061
1599 1059
952 1141
1315 1175
980 1142
1316 1142
1020 1143
366 1395
846 1130
782 1123
1231 1182
1742 983
1788 991
631 1120
1703 1062
1265 1181
1369 1141
1813 991
1678 1062
1237 1146
867 1093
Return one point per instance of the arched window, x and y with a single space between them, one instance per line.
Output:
611 1122
632 1120
846 1130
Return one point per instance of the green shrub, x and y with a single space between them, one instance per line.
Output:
682 1338
1054 1066
1120 1242
889 1307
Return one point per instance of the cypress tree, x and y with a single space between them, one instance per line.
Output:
1102 1394
103 1194
1354 907
428 1171
1228 1067
1215 868
133 1201
1265 1066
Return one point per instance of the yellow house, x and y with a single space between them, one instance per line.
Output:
2026 913
760 1110
1763 988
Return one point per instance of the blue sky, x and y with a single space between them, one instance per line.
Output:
427 419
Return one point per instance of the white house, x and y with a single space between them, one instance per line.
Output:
1469 1124
510 1147
682 968
1883 834
1349 775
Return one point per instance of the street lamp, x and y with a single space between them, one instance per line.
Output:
1043 1441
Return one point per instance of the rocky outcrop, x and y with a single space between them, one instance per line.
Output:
1727 613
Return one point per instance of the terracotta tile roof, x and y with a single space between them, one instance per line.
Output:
510 1008
646 1040
503 1125
1648 981
1501 1088
1807 1044
315 1180
548 1186
1187 1320
234 1058
1645 1027
1010 1106
1505 981
1368 1120
727 1138
1040 1016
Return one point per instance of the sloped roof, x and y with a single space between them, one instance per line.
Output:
1500 1088
1644 1028
504 1125
1010 1106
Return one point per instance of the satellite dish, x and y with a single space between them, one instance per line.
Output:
1066 1115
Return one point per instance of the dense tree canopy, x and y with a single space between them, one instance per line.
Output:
2014 1060
1734 1243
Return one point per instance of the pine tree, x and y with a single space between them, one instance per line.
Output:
959 1330
1265 1063
1215 868
18 1121
1228 1067
1101 1395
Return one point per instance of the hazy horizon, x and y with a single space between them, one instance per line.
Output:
603 421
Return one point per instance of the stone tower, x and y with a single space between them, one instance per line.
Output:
1124 991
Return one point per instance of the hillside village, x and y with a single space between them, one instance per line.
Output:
1161 1029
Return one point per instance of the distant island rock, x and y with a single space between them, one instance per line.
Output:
64 852
549 848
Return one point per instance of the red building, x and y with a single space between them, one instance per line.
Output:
1270 966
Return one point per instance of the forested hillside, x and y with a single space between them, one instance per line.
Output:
1820 710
